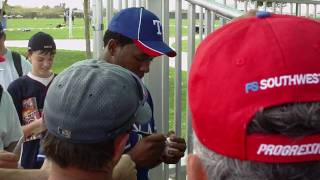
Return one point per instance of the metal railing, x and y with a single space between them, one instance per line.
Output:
198 18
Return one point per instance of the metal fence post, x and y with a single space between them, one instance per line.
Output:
153 81
97 28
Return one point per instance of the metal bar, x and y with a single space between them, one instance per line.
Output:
178 89
70 23
298 7
245 6
109 12
307 10
208 21
291 8
274 7
133 3
255 4
265 5
296 1
201 24
220 9
281 8
165 77
191 47
125 4
119 5
223 21
315 11
213 20
97 28
235 4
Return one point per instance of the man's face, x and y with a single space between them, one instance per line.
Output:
131 58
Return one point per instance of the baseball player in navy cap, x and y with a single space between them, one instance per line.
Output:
133 38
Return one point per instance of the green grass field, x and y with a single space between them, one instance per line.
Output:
64 58
42 24
15 27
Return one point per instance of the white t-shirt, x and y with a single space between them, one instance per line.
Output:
10 128
8 72
44 81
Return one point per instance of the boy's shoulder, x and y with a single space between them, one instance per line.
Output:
21 81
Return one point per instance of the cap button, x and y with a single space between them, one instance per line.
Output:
262 14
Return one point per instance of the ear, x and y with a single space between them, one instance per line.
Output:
119 144
195 169
29 53
112 46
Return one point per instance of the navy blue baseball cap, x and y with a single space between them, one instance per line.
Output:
144 28
41 41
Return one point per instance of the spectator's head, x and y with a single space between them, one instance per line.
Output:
89 110
134 37
41 52
255 102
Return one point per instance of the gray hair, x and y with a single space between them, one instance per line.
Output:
298 119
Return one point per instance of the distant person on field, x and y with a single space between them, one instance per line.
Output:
89 111
12 64
255 103
66 16
29 92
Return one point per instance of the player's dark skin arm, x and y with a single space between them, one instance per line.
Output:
147 152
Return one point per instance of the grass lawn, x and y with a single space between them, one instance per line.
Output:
65 58
45 25
14 26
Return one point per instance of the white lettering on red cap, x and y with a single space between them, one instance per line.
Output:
284 80
158 24
289 150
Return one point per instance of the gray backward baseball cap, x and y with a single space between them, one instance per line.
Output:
93 101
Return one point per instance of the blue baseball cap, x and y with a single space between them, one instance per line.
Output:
144 28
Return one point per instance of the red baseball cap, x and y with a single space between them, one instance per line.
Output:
251 64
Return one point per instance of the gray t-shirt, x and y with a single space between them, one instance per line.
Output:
10 128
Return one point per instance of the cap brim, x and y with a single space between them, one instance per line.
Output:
155 48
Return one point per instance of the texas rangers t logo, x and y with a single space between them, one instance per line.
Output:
157 22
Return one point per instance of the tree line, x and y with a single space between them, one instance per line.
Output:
40 12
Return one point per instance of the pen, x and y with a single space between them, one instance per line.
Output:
17 148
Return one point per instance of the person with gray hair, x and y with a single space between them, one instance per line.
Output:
255 103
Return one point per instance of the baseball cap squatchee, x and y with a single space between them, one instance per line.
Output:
41 41
248 65
144 28
93 101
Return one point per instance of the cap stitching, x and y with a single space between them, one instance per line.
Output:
140 17
277 40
